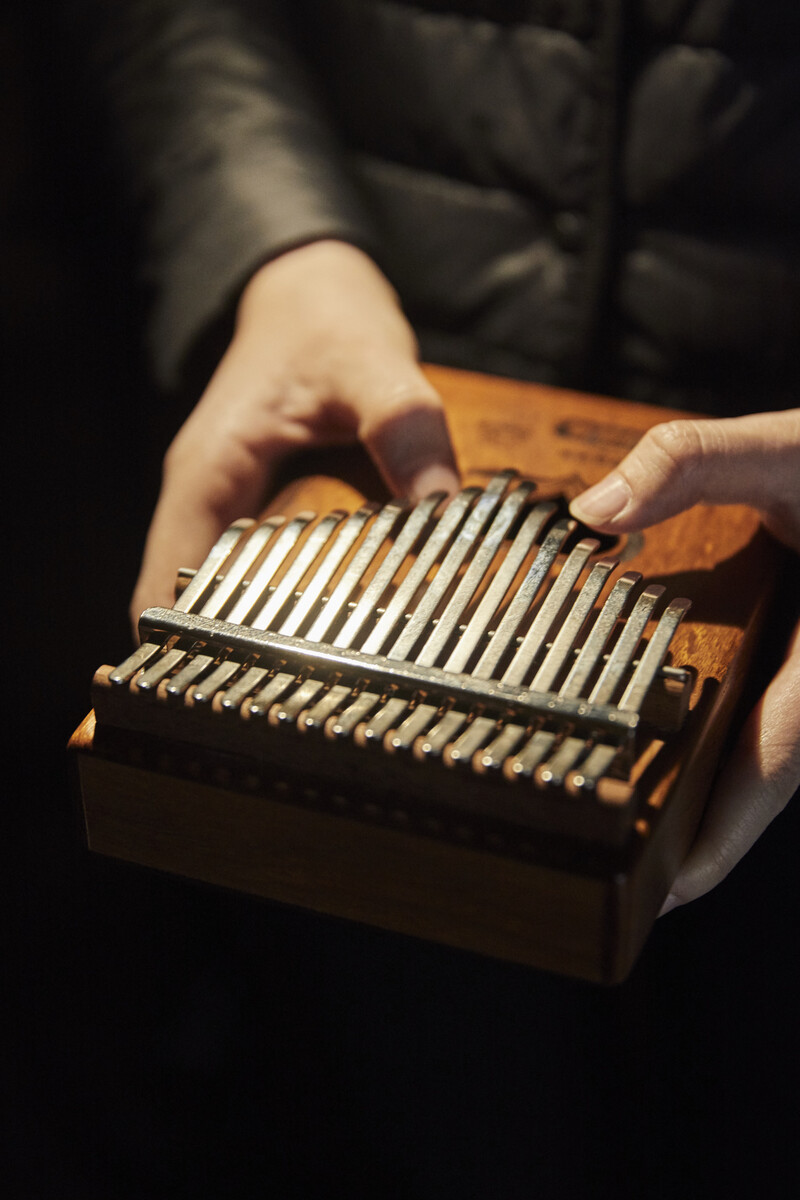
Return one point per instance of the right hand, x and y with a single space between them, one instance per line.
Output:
322 354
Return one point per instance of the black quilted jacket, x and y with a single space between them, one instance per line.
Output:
598 193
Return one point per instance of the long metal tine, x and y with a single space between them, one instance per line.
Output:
621 655
592 648
263 577
324 573
237 573
654 655
462 544
308 553
362 559
443 531
503 578
523 599
553 603
403 544
475 572
571 626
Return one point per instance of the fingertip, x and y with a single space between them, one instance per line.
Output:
671 902
435 478
603 503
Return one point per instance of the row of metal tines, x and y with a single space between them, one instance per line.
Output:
446 622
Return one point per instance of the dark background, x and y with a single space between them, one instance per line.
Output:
164 1040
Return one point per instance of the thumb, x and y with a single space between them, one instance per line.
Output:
402 424
751 460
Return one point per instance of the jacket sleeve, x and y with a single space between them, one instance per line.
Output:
224 151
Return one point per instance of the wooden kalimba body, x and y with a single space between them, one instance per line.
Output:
465 720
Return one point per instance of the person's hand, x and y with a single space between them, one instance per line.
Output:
322 354
752 460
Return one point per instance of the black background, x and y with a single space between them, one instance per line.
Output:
165 1040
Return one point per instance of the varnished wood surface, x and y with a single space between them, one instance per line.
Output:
568 919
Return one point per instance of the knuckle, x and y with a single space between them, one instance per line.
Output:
677 448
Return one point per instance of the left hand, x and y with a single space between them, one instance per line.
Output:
752 460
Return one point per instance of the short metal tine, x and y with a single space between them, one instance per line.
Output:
327 568
571 626
498 750
597 764
403 544
284 542
384 720
503 578
353 715
474 574
593 647
290 709
204 692
654 655
263 700
556 769
523 599
149 680
306 556
434 743
464 541
412 727
552 604
222 549
466 744
362 559
134 662
238 692
189 674
445 528
324 708
620 657
522 765
236 574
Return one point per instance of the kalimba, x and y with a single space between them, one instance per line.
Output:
466 719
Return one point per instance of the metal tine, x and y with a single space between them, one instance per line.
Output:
433 744
403 544
621 655
149 680
440 536
335 696
193 592
235 575
470 741
599 634
209 570
290 709
475 572
498 750
523 599
222 593
571 626
504 577
556 769
204 693
523 765
597 763
553 603
378 726
412 727
239 691
654 655
363 557
465 539
263 576
353 715
309 551
262 702
324 573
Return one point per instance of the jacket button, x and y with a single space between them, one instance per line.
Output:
569 230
